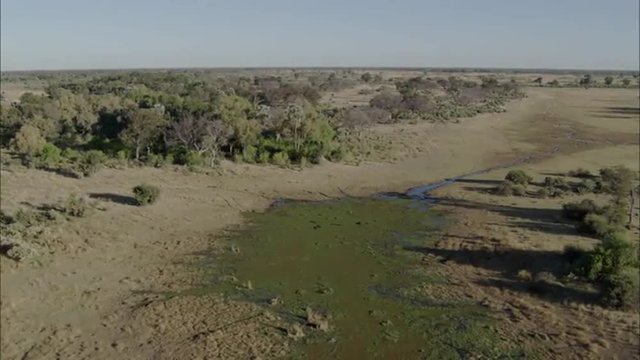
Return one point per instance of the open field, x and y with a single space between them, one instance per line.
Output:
96 289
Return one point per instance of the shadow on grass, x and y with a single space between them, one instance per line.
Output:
480 181
62 172
116 198
509 262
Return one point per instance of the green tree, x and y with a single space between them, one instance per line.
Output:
239 114
143 126
586 80
608 80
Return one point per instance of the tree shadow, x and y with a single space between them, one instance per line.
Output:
553 174
537 219
508 263
480 181
116 198
625 110
42 207
62 172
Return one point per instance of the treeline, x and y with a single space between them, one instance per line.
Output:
588 81
163 117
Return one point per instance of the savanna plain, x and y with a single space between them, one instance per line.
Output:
320 213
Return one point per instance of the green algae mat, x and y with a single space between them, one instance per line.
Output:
349 273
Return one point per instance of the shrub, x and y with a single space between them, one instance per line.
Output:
609 257
580 173
29 217
71 154
617 180
599 226
146 194
543 193
264 157
280 159
556 182
193 158
76 206
155 160
122 156
585 187
507 188
518 177
621 290
91 161
249 154
49 155
578 211
169 159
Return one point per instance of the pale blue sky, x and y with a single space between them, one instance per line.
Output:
69 34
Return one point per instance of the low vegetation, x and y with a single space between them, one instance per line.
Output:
23 232
146 194
518 177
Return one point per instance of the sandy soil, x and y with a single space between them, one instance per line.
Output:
90 293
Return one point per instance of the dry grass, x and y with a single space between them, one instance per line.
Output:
78 299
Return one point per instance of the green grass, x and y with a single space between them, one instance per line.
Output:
349 258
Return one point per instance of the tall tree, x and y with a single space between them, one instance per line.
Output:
143 126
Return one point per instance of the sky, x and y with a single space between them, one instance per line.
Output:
92 34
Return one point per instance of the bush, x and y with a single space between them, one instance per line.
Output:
264 157
578 211
621 290
146 194
249 154
580 173
280 159
71 154
49 155
543 193
556 182
75 206
518 177
585 187
90 162
155 160
122 156
599 226
193 158
610 257
507 188
617 180
28 217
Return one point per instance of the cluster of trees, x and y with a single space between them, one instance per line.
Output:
587 81
431 99
613 263
178 117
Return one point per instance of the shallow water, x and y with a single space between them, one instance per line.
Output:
358 263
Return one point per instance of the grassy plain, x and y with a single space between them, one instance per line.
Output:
90 294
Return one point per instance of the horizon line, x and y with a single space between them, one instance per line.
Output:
409 68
